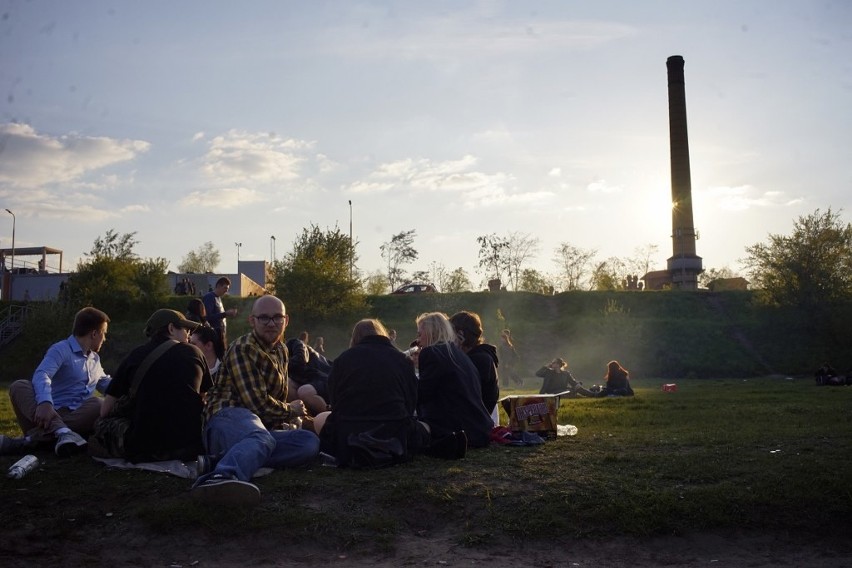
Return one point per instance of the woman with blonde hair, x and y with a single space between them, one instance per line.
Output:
372 389
449 397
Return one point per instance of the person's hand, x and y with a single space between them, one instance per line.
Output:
297 408
44 415
232 312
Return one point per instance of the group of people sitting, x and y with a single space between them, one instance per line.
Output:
557 379
180 395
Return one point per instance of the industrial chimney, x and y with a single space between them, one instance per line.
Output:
684 266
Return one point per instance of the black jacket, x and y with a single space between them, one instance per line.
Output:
449 395
371 385
484 357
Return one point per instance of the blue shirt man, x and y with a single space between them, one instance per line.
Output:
216 313
59 402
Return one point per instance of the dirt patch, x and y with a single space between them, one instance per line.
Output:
696 550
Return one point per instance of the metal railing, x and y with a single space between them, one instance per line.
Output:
12 322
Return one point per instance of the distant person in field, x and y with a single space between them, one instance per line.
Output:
210 343
195 311
509 359
468 326
248 416
617 381
826 375
59 404
217 315
557 379
373 391
449 398
166 378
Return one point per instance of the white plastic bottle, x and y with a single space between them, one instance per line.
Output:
22 467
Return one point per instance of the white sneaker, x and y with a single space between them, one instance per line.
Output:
69 443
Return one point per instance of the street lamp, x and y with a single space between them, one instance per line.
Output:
272 248
13 237
351 250
238 245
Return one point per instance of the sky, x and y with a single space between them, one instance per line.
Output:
235 122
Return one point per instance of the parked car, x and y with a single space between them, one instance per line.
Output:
414 289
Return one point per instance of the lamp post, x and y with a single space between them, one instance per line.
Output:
350 240
238 245
272 248
13 237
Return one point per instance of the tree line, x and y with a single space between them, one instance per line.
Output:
811 266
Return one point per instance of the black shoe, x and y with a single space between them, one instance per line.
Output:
225 490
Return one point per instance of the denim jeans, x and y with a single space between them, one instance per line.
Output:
244 443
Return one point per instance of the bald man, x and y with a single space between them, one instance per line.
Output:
247 413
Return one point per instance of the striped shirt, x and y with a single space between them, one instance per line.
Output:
253 376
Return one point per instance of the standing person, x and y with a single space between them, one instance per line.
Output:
373 390
247 412
509 356
210 343
166 379
217 315
449 397
468 326
59 402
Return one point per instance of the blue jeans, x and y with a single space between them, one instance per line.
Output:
244 443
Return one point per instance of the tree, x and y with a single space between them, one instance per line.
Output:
375 284
456 281
609 274
493 256
534 281
574 264
397 252
521 248
114 278
810 267
115 246
641 261
201 260
314 279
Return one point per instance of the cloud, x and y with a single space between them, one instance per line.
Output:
555 172
601 186
223 198
29 159
743 197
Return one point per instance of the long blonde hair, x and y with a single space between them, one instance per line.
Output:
365 328
436 328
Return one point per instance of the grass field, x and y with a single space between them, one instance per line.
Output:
765 453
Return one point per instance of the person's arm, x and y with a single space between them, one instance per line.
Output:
42 379
107 405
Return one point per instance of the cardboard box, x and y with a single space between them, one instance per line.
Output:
533 413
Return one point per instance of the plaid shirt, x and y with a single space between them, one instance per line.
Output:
253 376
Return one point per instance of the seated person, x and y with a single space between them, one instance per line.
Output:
308 380
372 388
826 375
468 326
449 398
59 405
617 381
210 343
166 414
558 379
195 311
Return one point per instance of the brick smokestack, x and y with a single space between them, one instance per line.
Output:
684 266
